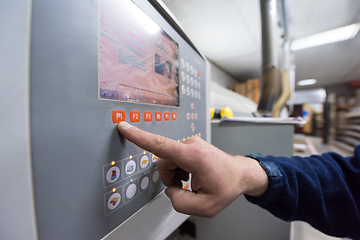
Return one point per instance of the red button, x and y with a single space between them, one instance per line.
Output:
174 116
158 116
147 116
118 116
135 116
166 116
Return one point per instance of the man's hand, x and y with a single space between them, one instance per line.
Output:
217 178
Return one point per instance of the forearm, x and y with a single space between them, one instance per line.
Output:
321 190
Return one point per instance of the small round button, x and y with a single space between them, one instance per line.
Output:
195 94
144 183
188 116
187 67
195 72
199 85
192 105
196 116
113 174
192 81
155 176
195 83
199 96
192 127
188 91
192 92
192 116
154 158
130 167
114 201
182 76
191 69
131 191
187 79
183 90
144 161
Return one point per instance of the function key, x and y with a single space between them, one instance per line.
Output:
158 116
134 116
147 116
118 116
166 116
174 116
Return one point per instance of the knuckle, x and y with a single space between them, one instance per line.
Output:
160 140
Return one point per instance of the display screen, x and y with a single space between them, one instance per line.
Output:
138 60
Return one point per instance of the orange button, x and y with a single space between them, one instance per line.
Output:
166 116
147 116
174 116
118 116
158 116
134 116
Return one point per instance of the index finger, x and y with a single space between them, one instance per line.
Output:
159 145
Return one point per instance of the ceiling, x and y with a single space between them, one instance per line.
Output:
228 33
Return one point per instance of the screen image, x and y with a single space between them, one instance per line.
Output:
138 60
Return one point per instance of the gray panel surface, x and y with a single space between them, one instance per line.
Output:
73 137
243 220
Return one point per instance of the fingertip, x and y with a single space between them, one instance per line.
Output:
123 125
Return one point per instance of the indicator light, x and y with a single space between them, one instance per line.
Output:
130 157
144 152
183 139
113 163
114 190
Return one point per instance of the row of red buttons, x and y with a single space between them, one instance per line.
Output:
135 116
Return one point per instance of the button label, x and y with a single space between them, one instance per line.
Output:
144 161
118 116
166 116
158 116
114 201
134 116
113 174
147 116
130 167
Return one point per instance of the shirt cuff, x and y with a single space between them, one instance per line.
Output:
275 179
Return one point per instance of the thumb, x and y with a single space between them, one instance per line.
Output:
188 202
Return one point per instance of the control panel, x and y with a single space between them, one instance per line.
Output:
93 65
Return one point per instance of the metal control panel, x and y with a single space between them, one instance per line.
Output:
92 65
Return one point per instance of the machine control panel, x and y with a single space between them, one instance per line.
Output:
93 65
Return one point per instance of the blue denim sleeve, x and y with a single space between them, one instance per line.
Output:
321 190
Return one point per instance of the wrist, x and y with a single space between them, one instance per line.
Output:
254 178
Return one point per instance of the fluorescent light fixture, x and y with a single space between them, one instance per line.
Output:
327 37
306 82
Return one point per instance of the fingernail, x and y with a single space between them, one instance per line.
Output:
124 125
